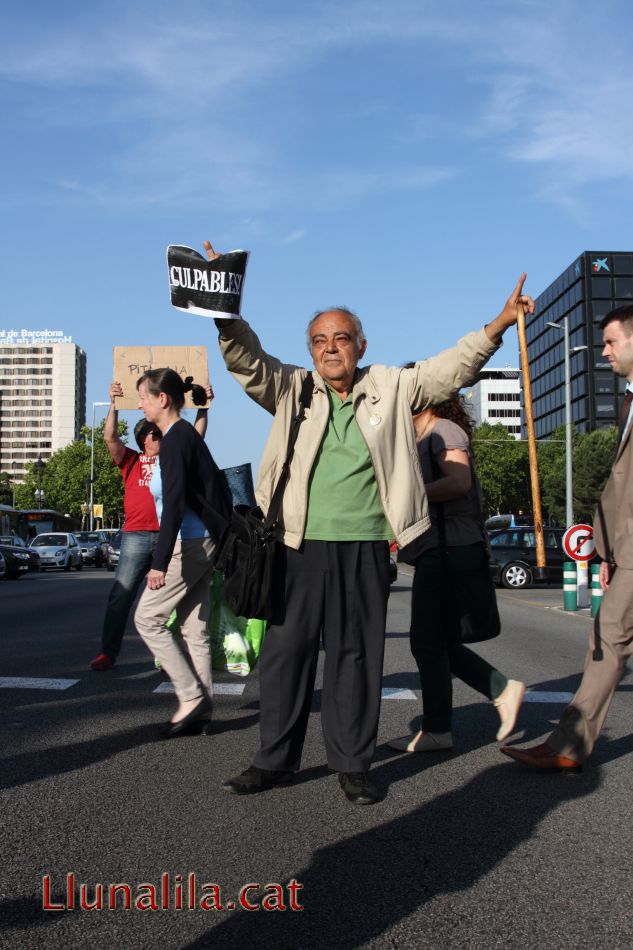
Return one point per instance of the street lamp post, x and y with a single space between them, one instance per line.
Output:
569 426
92 461
39 466
13 483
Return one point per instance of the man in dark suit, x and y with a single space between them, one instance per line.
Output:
611 640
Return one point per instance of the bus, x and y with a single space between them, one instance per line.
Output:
28 522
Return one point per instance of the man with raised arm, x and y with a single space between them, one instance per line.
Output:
355 482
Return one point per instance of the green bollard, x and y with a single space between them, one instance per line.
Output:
569 586
596 590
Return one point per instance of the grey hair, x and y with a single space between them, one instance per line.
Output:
358 326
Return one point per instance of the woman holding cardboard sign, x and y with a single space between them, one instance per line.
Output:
193 506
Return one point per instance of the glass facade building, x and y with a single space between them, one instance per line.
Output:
593 284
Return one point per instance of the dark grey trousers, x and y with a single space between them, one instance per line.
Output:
335 591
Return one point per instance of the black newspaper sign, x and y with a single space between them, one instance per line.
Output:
208 288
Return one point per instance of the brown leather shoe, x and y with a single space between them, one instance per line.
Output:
542 757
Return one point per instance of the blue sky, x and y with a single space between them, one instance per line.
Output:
407 160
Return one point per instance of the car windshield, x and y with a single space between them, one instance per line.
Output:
88 536
44 540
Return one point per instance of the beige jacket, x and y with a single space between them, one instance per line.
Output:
383 399
613 521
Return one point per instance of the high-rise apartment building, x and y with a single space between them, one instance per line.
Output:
42 396
496 397
583 293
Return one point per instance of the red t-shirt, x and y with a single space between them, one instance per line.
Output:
138 502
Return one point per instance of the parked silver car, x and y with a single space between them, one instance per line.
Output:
58 550
112 551
92 544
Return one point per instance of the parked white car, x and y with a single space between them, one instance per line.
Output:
58 550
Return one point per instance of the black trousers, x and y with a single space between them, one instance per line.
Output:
437 659
335 591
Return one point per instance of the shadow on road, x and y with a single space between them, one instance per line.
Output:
357 889
57 759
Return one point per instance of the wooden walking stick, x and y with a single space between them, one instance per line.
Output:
540 572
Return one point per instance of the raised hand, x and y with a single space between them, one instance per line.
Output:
211 254
510 312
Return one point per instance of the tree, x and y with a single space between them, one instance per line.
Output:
6 489
503 469
593 458
26 490
66 478
551 468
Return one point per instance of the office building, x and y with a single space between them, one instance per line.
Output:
584 292
496 397
42 396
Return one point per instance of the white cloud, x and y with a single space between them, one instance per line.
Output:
548 86
294 236
560 89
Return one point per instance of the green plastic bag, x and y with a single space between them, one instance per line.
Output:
235 641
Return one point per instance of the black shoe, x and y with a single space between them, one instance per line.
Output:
192 722
359 788
203 727
255 779
199 727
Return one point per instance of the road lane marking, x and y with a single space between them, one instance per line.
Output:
31 682
395 692
219 689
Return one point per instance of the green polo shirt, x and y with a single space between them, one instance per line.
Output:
343 499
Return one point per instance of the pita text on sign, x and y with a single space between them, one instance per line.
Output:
208 288
130 362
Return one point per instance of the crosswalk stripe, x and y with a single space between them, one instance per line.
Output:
219 689
236 689
396 692
535 696
32 682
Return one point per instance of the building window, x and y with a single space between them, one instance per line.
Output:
624 287
600 287
623 264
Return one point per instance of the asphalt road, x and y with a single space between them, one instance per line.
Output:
466 849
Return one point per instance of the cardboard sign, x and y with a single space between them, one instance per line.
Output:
130 362
208 288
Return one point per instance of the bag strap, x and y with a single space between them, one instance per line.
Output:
305 399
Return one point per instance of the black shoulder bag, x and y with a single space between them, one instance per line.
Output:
247 552
469 600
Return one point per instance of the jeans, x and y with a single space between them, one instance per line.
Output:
436 657
135 560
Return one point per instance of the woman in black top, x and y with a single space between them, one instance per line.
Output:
193 507
443 434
